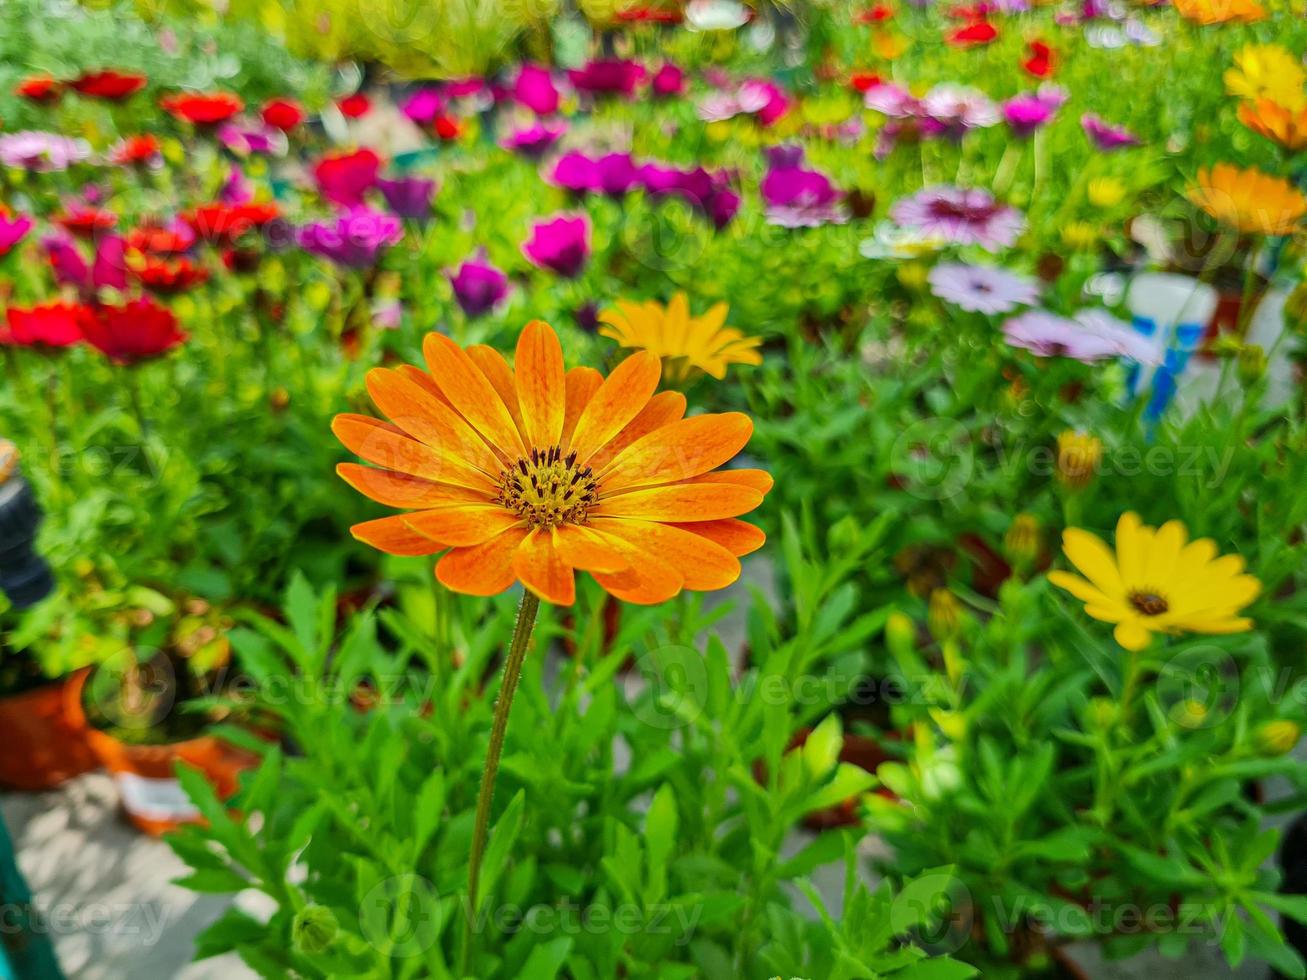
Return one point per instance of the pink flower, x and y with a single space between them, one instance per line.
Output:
344 178
1094 335
669 80
1028 112
608 76
961 216
535 90
13 231
1105 135
533 141
561 244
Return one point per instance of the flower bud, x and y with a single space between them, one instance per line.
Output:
944 616
1252 363
1022 541
314 929
901 636
1277 737
1078 456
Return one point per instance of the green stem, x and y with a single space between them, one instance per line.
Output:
526 619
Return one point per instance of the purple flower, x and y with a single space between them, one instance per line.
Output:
408 197
608 76
478 285
784 155
981 288
355 238
423 106
1106 136
709 193
1093 336
236 189
669 80
798 198
1029 111
109 269
535 90
575 172
41 152
961 216
534 140
13 231
561 244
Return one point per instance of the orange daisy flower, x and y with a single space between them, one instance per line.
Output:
1288 127
531 473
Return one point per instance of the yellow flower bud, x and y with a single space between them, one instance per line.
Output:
1106 192
1252 363
1078 456
912 275
900 635
1080 236
1277 737
944 616
1022 542
1101 713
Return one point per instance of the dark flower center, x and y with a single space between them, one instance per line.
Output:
971 213
1149 603
547 489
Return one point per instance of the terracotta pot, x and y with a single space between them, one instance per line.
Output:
44 741
152 797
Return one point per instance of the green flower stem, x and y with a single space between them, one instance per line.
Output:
526 619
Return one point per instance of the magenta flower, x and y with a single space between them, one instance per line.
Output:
1105 135
613 174
423 106
667 81
954 110
1029 111
561 245
1093 336
343 178
12 231
408 197
708 192
890 99
245 141
533 141
799 198
354 239
961 216
478 285
107 271
981 288
535 90
608 76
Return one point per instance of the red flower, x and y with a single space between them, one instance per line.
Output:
171 239
283 114
354 106
131 332
47 325
136 150
973 35
165 275
649 15
343 178
875 14
38 88
1042 60
224 224
203 109
85 222
862 81
447 127
108 84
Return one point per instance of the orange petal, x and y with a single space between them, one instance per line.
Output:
648 582
468 390
681 502
500 376
702 564
678 451
541 570
385 445
619 399
540 384
461 525
483 569
424 380
663 409
759 480
587 549
393 536
582 383
428 419
737 537
398 490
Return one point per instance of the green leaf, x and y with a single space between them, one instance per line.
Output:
545 961
502 838
426 816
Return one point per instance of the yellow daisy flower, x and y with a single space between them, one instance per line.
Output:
1156 582
1288 127
1249 200
1106 192
685 343
1267 71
